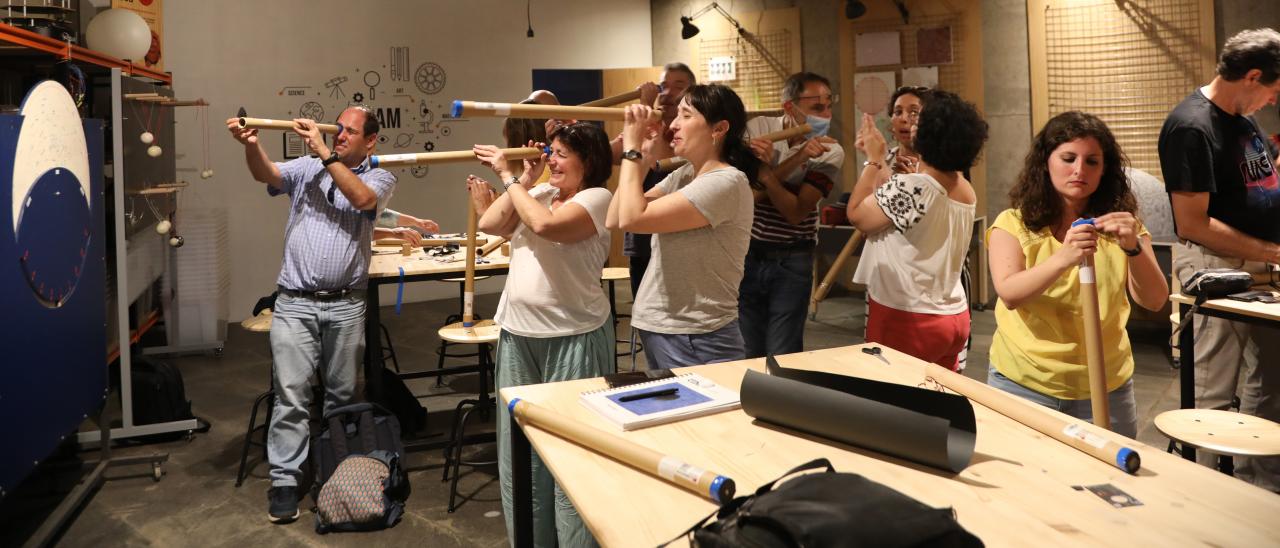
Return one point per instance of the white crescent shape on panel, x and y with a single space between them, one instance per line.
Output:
52 136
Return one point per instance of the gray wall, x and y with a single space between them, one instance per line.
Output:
245 52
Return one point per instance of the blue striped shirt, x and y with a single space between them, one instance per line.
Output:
327 240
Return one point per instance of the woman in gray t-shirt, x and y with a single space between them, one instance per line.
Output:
700 216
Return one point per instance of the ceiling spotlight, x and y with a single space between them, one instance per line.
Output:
854 9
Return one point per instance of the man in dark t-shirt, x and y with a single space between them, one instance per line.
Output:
1220 171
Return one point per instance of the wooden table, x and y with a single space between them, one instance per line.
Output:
1238 311
385 268
1018 491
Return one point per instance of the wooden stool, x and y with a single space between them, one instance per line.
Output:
1222 432
484 334
443 351
257 324
612 275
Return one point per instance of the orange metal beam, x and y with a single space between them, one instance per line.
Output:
66 50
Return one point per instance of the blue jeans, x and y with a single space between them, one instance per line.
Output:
309 336
773 300
665 350
1123 407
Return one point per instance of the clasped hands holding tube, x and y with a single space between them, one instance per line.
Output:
306 128
1081 241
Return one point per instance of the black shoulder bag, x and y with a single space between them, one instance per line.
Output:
828 508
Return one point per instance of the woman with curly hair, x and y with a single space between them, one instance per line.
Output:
918 227
1075 170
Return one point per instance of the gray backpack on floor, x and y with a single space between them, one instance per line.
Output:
357 464
366 492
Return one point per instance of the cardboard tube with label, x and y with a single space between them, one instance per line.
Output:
704 483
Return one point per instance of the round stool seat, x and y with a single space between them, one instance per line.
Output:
1221 432
258 324
616 273
463 279
484 331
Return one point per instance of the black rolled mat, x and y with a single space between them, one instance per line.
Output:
925 426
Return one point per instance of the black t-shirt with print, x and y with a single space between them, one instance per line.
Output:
1205 149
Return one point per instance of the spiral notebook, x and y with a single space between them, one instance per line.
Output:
658 402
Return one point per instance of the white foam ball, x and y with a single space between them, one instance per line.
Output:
206 174
119 33
163 227
154 151
176 241
147 138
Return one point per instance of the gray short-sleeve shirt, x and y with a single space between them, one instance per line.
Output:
691 285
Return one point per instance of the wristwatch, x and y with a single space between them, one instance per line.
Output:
631 154
1137 250
513 180
333 157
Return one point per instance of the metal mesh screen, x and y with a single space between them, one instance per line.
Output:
1128 63
759 85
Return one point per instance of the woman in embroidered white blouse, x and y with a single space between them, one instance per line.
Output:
918 227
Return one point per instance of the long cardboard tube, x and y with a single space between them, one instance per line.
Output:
704 483
668 164
1093 345
559 112
397 160
489 247
764 112
820 292
1073 433
429 242
266 123
613 99
469 281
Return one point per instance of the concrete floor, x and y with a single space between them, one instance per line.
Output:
197 502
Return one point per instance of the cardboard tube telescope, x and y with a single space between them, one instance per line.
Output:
266 123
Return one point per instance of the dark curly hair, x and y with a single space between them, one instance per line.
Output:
717 102
1033 194
950 132
591 145
918 91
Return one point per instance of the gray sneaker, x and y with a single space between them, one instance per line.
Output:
282 504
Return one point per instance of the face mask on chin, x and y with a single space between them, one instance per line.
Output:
820 126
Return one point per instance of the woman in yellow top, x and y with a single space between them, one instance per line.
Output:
1074 170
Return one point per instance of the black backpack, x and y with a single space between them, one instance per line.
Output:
364 428
829 509
158 392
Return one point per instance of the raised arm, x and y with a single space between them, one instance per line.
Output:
1017 284
261 167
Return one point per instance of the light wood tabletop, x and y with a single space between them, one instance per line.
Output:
1266 311
387 261
1019 490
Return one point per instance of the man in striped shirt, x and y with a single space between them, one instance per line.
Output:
318 320
775 288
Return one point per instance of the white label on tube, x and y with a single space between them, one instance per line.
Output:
467 300
1077 430
501 109
670 468
1086 275
390 158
